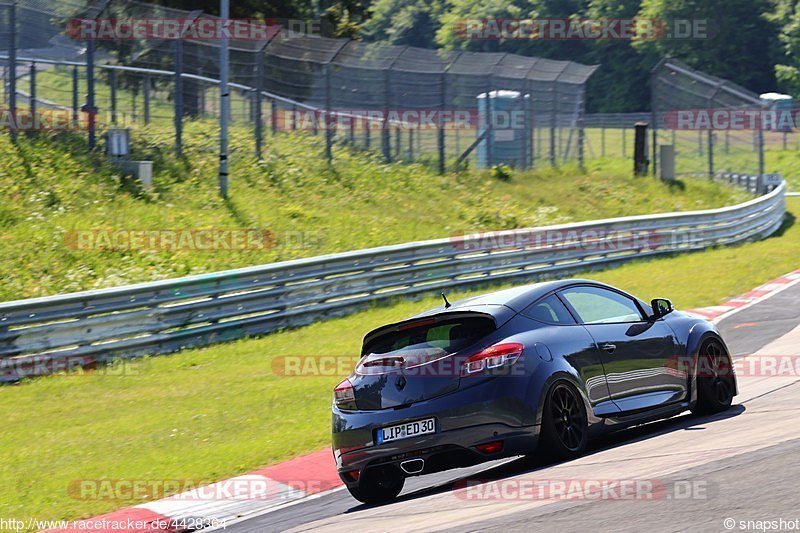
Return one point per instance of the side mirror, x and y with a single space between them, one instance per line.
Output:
661 307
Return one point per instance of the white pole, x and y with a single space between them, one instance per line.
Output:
224 101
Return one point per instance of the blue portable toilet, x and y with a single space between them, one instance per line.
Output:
506 143
782 104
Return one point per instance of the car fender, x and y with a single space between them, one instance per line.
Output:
700 332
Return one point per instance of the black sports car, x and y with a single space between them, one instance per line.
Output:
534 369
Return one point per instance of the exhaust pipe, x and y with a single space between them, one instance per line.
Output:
413 466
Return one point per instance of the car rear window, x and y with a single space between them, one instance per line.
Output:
436 339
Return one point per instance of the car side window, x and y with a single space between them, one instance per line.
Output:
549 310
595 305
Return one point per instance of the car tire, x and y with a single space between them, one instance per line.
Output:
565 427
715 381
378 487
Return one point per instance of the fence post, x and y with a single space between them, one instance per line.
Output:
327 122
385 135
146 99
624 129
259 102
12 66
760 152
440 140
178 119
581 132
711 154
33 95
553 112
112 79
75 94
602 140
273 112
367 126
489 123
90 107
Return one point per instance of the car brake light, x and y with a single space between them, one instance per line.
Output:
490 447
343 393
495 356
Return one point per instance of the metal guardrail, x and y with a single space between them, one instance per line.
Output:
41 335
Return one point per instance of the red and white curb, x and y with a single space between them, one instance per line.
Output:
219 504
273 487
715 313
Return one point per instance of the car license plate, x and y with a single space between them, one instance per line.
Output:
409 429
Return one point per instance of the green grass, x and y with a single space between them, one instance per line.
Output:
222 410
52 189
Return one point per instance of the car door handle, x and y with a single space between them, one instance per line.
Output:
608 347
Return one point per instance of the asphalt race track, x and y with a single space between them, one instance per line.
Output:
715 473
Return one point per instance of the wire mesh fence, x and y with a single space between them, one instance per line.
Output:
406 103
713 125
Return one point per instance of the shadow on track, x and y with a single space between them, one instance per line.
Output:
532 463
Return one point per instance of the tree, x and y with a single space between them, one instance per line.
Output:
739 40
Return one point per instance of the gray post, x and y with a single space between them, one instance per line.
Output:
603 140
711 154
624 128
178 118
440 140
385 135
489 124
33 94
75 104
112 80
553 111
224 101
367 126
273 116
90 107
328 110
653 118
259 102
146 98
581 132
760 153
12 66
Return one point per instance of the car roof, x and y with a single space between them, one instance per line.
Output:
500 305
515 298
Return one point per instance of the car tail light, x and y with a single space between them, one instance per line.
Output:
490 447
343 394
496 356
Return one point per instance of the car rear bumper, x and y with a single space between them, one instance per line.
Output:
492 410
